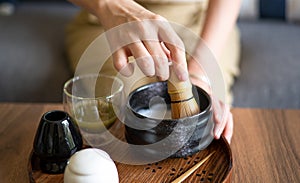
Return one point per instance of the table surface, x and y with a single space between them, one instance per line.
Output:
265 145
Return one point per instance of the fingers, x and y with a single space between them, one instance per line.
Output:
220 123
120 61
228 131
223 119
143 58
177 50
150 57
179 61
160 59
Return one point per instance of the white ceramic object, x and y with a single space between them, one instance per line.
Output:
91 166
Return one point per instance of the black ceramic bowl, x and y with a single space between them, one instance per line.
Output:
178 137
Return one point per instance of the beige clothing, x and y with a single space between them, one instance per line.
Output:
81 32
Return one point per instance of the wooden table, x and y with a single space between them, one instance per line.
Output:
265 144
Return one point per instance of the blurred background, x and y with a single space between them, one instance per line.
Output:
33 65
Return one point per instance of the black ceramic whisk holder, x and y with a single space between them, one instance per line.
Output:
57 138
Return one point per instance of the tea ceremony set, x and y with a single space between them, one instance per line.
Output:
161 132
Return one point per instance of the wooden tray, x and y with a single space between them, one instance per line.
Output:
217 169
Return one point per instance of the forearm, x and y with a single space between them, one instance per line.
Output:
122 10
220 19
92 6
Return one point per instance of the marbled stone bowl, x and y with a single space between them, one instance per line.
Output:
163 135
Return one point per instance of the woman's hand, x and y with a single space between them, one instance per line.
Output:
219 21
135 31
223 120
221 112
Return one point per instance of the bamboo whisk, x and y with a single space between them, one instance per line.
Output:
183 103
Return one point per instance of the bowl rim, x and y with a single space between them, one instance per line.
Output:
76 78
206 110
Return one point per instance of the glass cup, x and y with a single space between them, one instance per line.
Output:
94 102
